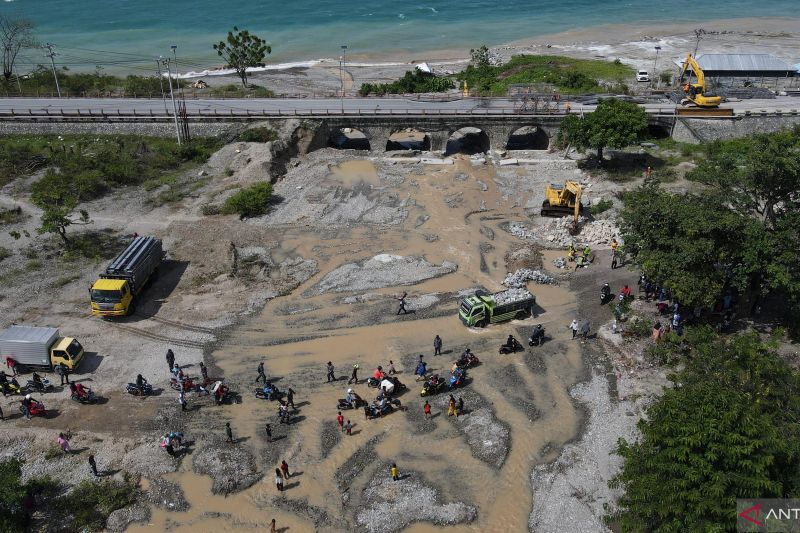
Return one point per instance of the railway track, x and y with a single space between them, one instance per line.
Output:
180 325
157 337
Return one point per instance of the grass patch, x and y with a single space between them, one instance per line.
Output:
5 253
11 216
90 245
568 75
65 280
90 165
53 452
252 201
33 264
152 184
255 135
601 207
90 503
233 90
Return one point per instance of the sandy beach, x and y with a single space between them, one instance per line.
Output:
633 45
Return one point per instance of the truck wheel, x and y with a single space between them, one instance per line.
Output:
131 309
483 323
521 315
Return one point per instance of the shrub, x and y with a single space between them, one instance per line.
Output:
250 202
415 81
255 135
53 452
210 209
602 206
90 503
4 253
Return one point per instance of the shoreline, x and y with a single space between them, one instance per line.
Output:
627 42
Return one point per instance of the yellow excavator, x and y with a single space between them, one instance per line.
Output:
696 92
563 200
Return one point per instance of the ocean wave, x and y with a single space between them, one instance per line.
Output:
229 71
401 16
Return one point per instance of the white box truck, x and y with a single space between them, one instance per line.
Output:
39 348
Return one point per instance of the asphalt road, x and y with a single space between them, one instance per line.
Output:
329 105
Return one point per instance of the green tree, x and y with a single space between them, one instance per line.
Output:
728 430
243 50
15 34
58 204
480 56
614 124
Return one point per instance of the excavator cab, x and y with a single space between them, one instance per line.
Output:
563 200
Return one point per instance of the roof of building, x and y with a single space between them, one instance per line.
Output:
741 63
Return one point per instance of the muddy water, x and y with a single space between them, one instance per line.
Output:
295 335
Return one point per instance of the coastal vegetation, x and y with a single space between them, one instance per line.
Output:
15 34
40 82
614 123
415 81
242 50
252 201
566 74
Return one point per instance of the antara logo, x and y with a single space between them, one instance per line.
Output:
756 509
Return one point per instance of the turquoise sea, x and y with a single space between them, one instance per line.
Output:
127 34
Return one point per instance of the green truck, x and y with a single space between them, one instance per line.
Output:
483 308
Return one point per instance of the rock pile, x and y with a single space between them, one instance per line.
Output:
560 262
592 233
520 277
511 296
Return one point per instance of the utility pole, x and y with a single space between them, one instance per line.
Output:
177 79
655 66
52 54
698 34
172 97
342 66
161 84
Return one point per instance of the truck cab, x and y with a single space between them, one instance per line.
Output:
111 297
472 310
68 351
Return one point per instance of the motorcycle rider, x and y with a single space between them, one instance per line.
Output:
140 382
378 374
37 381
605 292
625 293
27 402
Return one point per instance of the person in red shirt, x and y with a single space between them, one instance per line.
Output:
378 375
626 292
340 421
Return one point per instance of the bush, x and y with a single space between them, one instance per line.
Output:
90 503
255 135
210 209
415 81
4 253
601 207
250 202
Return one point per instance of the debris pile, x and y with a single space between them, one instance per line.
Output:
592 233
512 295
523 275
560 262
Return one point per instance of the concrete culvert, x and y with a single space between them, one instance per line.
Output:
408 139
468 141
348 139
528 138
657 131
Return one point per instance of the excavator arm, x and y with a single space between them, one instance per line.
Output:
577 191
696 92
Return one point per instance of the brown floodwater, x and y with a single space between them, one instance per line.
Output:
322 328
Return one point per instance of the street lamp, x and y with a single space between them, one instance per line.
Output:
655 64
342 66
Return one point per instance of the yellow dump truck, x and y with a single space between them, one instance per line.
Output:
115 293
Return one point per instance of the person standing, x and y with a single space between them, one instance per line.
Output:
285 469
93 465
278 480
402 308
421 370
451 406
329 368
228 432
394 473
261 374
26 406
170 359
353 375
268 430
460 406
59 372
574 327
340 421
63 442
1 409
392 370
182 399
585 328
204 372
427 410
614 246
348 428
437 345
272 528
290 398
11 363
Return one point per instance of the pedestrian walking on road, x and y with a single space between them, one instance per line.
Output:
392 370
261 374
451 406
585 329
348 428
170 358
204 372
272 528
93 466
61 370
278 480
285 469
329 368
268 430
182 399
394 473
437 345
402 308
427 410
290 398
460 406
228 432
421 369
1 412
353 376
574 327
63 442
11 363
340 420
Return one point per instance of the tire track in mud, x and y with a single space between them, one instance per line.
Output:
186 343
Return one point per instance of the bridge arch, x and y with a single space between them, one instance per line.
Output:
468 140
408 139
348 139
528 138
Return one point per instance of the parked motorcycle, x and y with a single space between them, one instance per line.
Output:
88 396
468 360
145 390
433 385
41 386
268 392
605 294
537 336
343 404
